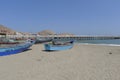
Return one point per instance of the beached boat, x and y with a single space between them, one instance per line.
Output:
16 49
55 47
8 41
42 41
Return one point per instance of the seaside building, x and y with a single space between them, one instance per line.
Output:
2 35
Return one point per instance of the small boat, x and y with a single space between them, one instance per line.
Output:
42 41
16 49
56 47
8 41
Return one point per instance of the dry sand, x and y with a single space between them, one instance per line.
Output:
82 62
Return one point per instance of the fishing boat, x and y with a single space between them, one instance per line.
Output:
8 41
16 49
57 47
42 41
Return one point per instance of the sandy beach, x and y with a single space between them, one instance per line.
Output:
82 62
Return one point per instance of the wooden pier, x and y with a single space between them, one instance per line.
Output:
81 37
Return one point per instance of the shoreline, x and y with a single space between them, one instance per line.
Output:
98 44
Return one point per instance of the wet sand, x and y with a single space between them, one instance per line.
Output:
82 62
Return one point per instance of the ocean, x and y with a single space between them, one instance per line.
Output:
108 42
113 41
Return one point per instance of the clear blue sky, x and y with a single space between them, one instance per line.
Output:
82 17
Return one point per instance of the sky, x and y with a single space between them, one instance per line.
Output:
80 17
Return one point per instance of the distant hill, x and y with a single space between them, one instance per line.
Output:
46 32
66 34
49 32
6 30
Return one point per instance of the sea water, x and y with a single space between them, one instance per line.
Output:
106 42
113 41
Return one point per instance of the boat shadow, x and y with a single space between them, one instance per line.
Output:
27 50
50 50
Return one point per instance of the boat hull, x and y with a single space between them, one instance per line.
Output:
42 41
15 49
49 47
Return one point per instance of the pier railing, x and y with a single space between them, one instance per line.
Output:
59 37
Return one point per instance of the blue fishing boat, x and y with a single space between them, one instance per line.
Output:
16 49
56 47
